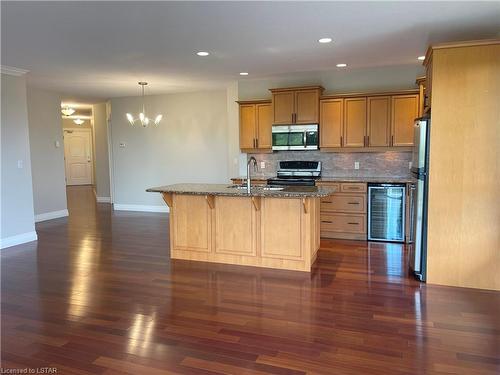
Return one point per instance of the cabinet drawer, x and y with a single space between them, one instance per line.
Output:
335 185
343 223
349 187
351 203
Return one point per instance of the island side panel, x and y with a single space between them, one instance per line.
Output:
190 225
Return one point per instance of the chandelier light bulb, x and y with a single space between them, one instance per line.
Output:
143 118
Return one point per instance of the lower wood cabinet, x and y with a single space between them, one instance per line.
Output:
343 214
269 232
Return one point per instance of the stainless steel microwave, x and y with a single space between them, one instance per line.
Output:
295 137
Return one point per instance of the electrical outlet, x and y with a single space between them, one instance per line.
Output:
410 164
20 164
57 144
356 165
262 165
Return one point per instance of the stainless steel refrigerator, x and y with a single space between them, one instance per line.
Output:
420 171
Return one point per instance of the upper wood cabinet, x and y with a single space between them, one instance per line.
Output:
283 107
298 105
368 122
354 122
378 121
332 122
404 112
255 125
264 113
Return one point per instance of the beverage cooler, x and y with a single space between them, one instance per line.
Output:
386 212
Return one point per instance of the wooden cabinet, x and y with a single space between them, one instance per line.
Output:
354 122
404 112
255 125
368 123
298 105
332 122
264 113
378 126
283 107
343 214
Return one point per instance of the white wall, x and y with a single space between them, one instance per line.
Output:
17 219
190 144
47 160
101 151
336 81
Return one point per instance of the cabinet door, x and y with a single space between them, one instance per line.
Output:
354 122
331 122
283 107
264 114
307 107
404 112
247 126
379 121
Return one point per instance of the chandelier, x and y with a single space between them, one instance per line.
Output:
78 121
67 111
143 119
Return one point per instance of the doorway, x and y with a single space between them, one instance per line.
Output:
78 157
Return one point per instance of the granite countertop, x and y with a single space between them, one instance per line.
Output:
374 179
256 191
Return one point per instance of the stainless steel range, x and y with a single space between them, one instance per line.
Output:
296 173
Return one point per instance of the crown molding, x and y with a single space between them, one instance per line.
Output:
10 70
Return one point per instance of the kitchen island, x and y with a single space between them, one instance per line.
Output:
266 227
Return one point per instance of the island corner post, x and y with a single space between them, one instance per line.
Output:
276 229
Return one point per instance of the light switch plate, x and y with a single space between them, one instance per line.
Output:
122 144
356 165
20 164
57 144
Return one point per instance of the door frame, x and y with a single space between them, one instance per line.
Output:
81 130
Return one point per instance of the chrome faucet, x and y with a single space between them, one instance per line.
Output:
254 161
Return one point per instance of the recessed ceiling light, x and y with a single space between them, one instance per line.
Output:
342 65
325 40
421 58
202 53
243 74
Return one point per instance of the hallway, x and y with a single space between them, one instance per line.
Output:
98 294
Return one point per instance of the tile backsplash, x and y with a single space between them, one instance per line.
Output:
341 164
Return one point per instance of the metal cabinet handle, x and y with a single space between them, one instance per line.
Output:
305 139
327 221
256 142
368 141
352 202
392 140
341 141
326 201
353 223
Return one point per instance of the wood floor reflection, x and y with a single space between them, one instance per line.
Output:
98 294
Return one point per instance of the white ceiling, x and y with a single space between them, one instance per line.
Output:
101 50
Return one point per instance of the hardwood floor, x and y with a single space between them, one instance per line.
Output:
98 294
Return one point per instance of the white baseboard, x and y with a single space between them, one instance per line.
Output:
103 199
51 215
139 207
18 239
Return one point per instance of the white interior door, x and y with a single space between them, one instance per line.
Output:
78 157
